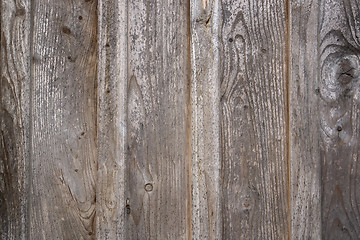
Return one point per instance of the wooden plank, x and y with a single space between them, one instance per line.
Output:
14 117
239 69
304 120
339 53
205 119
64 160
157 119
254 120
112 130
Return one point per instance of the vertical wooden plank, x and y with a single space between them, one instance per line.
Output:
239 47
205 119
112 130
14 117
157 119
339 53
253 108
64 160
304 120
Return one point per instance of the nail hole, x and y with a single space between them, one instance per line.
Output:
66 30
148 187
80 18
231 40
339 128
128 206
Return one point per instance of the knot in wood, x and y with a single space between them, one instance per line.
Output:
347 69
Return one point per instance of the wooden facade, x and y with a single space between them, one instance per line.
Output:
164 119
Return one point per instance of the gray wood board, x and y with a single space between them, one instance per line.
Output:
339 115
254 120
64 156
157 119
14 118
239 71
205 120
111 120
304 134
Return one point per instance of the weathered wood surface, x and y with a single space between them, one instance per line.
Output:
304 120
205 120
143 123
339 50
239 76
157 120
14 117
64 156
254 120
201 119
111 121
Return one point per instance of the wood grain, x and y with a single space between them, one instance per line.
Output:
339 113
304 134
64 160
254 120
14 118
205 120
201 119
111 120
157 120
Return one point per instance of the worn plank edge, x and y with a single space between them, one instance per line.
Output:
31 106
287 87
112 70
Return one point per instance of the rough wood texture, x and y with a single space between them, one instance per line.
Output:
157 119
254 120
64 160
239 81
112 104
205 122
304 120
339 112
201 119
14 117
